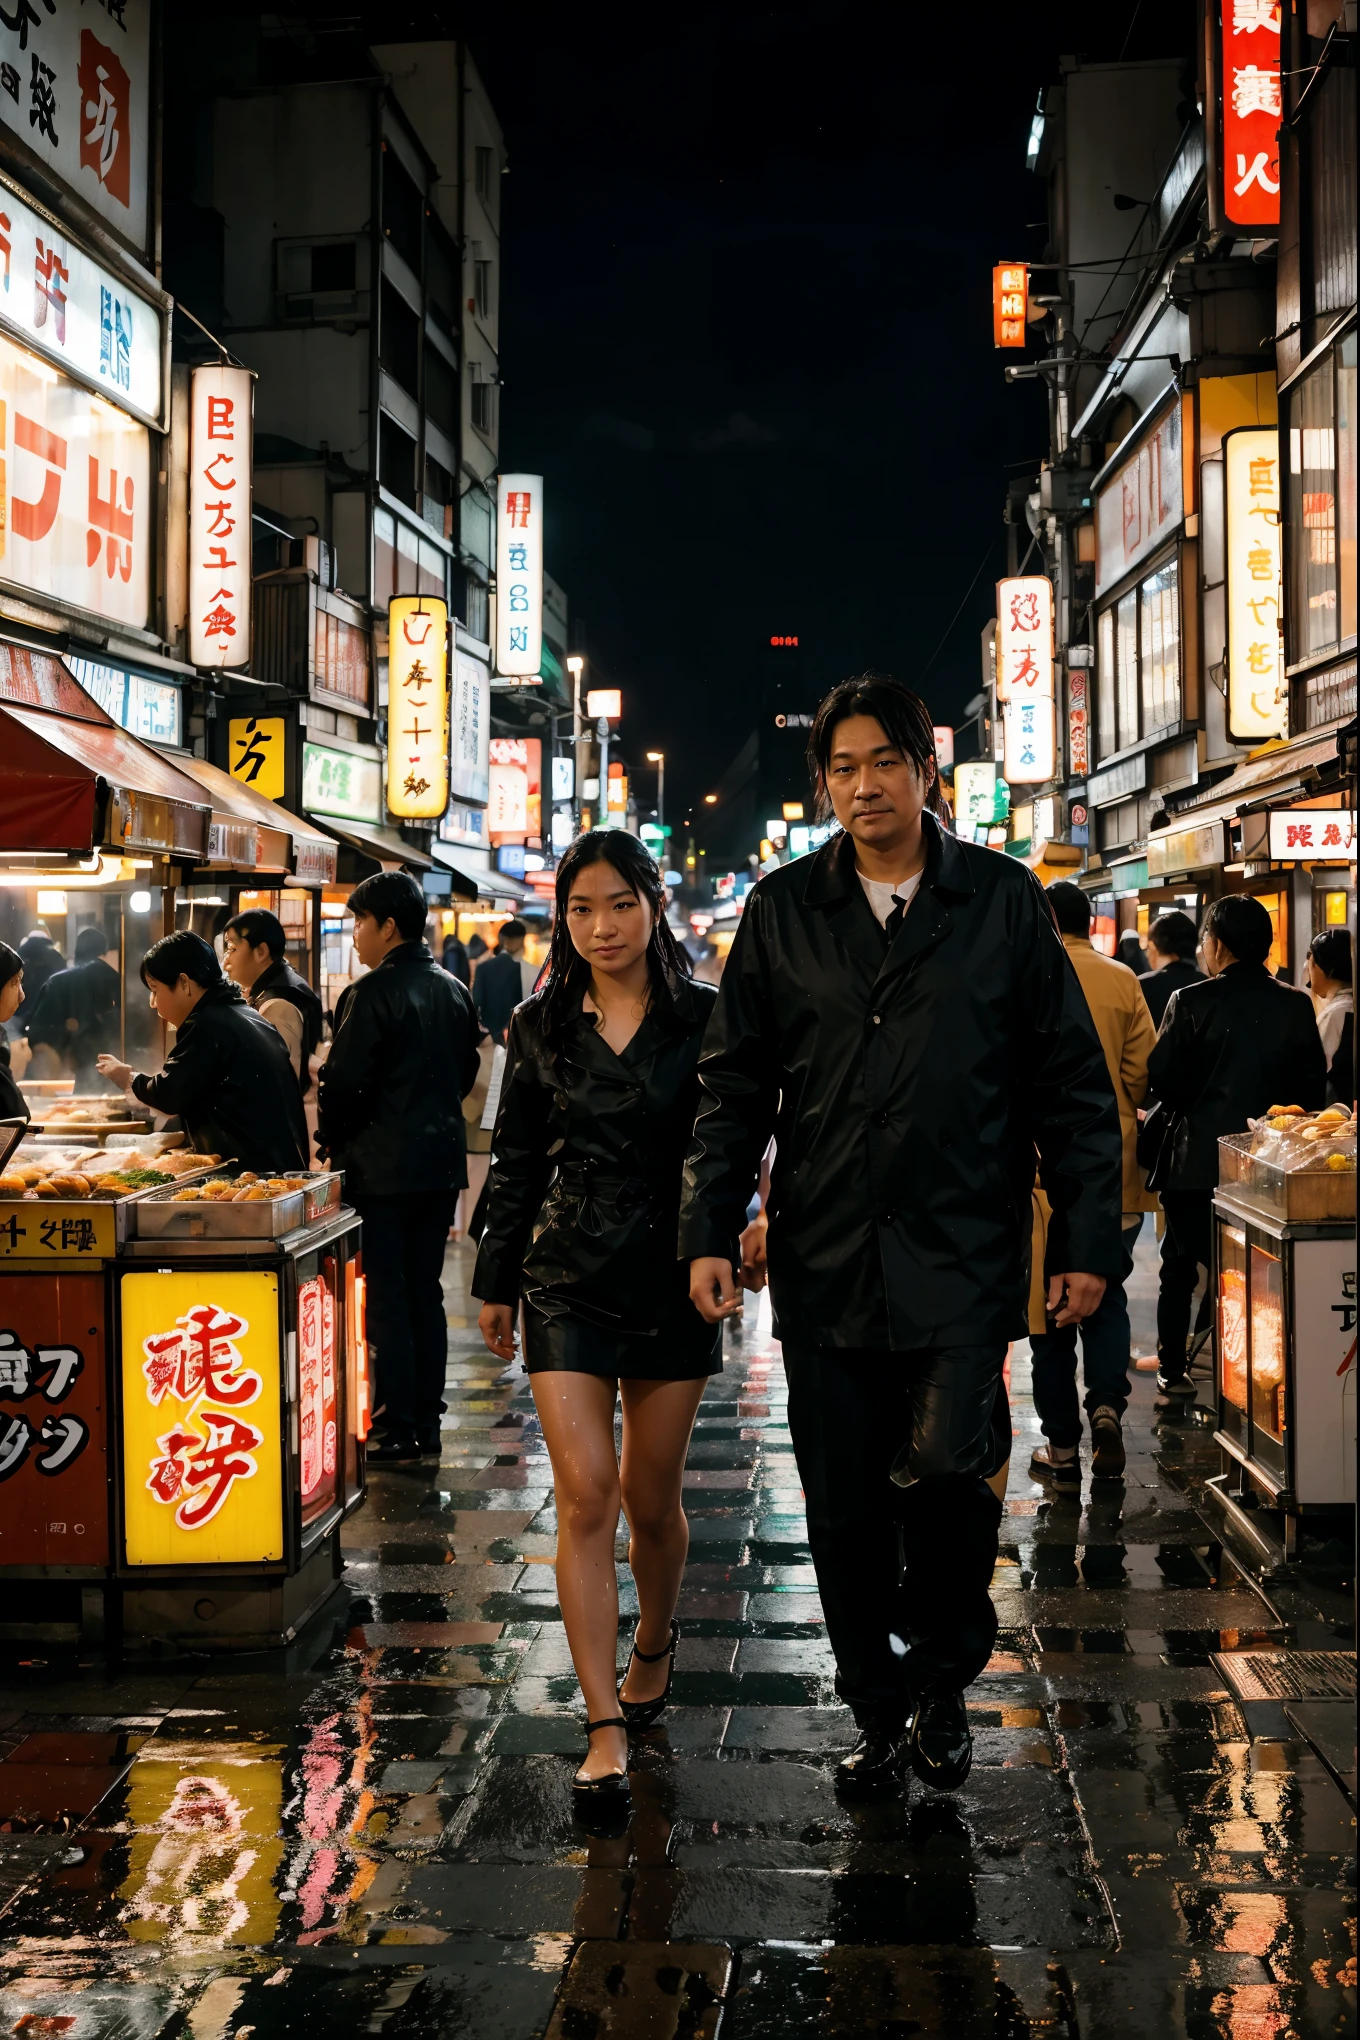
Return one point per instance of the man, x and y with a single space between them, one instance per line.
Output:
254 946
898 1011
1329 973
391 1095
227 1076
1171 945
42 960
1229 1048
499 985
1127 1038
76 1012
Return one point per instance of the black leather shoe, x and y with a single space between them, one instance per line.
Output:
431 1442
873 1769
941 1743
393 1451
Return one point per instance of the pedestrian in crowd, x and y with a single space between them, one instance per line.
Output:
12 1102
75 1014
500 984
476 950
1131 952
228 1076
254 946
1127 1037
454 959
1329 968
1229 1048
899 1010
42 960
391 1115
596 1109
1172 945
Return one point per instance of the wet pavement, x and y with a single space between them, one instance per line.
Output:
373 1830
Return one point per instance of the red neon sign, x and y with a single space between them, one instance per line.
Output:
1251 93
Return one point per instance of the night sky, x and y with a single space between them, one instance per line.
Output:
746 332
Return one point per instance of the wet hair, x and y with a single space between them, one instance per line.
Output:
11 964
90 943
568 971
901 715
1331 952
1174 934
1242 925
182 954
258 925
392 896
1071 908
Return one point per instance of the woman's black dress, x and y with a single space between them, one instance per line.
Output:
584 1196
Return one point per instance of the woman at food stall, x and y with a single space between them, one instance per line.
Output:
228 1076
597 1101
12 1104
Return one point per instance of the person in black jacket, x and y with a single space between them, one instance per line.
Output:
899 1012
1229 1048
1171 945
76 1012
390 1114
499 986
13 1105
228 1076
254 943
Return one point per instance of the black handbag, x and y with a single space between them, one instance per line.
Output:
1156 1144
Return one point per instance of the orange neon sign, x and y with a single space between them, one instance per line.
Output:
1010 302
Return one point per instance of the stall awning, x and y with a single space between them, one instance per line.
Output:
478 885
59 751
1277 771
381 846
250 832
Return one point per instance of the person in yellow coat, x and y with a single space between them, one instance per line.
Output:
1120 1012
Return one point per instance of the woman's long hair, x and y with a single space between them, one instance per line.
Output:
568 971
11 963
901 715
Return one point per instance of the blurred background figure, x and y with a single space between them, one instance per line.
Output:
454 958
73 1017
1172 945
42 960
12 1105
1130 952
1330 971
503 980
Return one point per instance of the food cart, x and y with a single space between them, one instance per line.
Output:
1285 1282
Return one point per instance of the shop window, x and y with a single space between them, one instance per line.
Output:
485 174
1138 662
402 210
484 407
441 280
481 273
1274 904
397 460
399 340
441 393
1321 505
333 265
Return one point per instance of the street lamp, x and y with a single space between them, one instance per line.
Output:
658 758
576 666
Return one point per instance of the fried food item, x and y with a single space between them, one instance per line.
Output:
247 1176
190 1194
45 1189
71 1186
1286 1112
1338 1163
12 1184
254 1193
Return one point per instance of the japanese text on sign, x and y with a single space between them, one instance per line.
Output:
1010 291
74 88
519 575
219 518
256 751
1257 697
1078 723
37 1232
1024 676
316 1385
1253 107
1299 834
417 707
53 1469
54 1439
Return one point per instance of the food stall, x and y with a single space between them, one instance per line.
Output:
1285 1283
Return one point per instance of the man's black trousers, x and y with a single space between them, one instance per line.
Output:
913 1562
403 1254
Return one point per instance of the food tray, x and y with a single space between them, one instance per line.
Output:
1310 1196
157 1216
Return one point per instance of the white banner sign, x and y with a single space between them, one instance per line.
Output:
1024 677
469 768
1257 695
75 492
74 78
417 707
519 575
1298 835
1141 504
219 517
1031 749
63 303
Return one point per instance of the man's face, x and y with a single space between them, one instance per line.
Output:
876 791
242 963
174 1003
373 939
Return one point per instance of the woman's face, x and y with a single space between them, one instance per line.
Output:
11 996
608 924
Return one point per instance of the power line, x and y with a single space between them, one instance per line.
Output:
959 611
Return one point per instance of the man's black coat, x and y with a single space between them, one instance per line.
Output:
1157 986
908 1088
404 1057
229 1079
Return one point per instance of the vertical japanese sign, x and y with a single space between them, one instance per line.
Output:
53 1475
519 576
1078 721
202 1456
317 1404
1252 111
417 707
508 811
1257 696
220 408
1024 676
74 87
256 749
470 730
1010 293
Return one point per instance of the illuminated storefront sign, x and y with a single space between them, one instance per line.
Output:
256 752
1300 834
317 1433
74 86
515 805
220 405
75 492
1250 85
1257 697
1024 676
417 707
148 708
53 1475
469 758
201 1449
975 801
341 783
1170 851
519 575
1010 294
1078 722
1142 503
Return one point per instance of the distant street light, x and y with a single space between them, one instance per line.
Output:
710 800
658 758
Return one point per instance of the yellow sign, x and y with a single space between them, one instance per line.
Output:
205 1845
1257 695
202 1454
256 753
417 707
47 1229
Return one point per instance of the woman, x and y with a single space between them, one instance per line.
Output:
12 1104
597 1107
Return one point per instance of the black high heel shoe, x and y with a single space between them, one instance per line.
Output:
642 1713
608 1797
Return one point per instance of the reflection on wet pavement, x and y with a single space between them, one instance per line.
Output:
374 1829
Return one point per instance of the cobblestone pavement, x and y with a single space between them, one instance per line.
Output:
372 1832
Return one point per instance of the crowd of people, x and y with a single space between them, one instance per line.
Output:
918 1103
